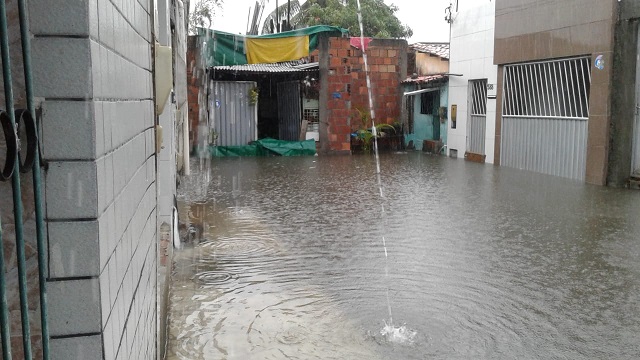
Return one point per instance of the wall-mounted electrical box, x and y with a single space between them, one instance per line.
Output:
454 115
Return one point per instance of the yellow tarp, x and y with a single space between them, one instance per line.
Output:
264 51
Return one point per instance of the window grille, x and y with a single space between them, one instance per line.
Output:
313 118
551 89
478 97
428 102
477 125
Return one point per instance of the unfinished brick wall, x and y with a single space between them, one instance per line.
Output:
347 86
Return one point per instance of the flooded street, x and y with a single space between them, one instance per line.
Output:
287 262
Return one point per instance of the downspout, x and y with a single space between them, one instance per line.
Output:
185 146
156 121
186 150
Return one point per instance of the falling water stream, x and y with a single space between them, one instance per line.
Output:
392 333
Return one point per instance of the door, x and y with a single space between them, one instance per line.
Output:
477 119
233 115
289 110
436 116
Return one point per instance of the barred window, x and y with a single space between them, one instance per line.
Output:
478 90
555 89
428 102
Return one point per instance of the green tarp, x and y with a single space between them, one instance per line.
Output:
267 147
225 49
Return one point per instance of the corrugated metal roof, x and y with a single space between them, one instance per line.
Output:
437 49
425 79
283 67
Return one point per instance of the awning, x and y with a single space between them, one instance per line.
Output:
424 80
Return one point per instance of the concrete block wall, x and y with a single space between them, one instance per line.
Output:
347 86
93 74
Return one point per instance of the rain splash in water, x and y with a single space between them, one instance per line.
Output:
402 334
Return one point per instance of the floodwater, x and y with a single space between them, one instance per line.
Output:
483 262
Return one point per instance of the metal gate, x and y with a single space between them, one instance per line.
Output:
635 161
476 129
545 112
289 110
233 112
21 155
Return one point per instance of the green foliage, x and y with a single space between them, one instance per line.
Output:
366 133
202 14
253 95
378 19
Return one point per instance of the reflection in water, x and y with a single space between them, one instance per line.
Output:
484 262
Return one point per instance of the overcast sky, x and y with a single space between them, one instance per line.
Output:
425 17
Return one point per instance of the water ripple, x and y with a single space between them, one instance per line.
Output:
484 263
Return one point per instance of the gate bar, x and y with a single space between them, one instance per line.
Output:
4 314
15 184
37 182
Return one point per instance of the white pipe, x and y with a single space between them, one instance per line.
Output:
420 91
185 142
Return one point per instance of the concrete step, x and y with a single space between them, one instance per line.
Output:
634 183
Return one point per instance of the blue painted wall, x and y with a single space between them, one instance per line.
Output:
423 123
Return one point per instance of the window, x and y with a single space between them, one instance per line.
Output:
428 102
478 90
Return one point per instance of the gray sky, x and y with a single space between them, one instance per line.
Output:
425 17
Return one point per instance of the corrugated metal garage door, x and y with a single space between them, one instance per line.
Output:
545 116
233 117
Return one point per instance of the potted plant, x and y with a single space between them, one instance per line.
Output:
363 137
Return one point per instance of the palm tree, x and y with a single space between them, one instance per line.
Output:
290 10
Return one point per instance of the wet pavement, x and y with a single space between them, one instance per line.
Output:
286 262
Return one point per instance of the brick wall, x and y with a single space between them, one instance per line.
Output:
92 70
193 89
347 86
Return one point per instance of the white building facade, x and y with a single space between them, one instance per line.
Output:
473 84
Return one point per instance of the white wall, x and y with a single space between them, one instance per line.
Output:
472 37
93 73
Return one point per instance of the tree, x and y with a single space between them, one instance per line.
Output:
202 14
379 19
